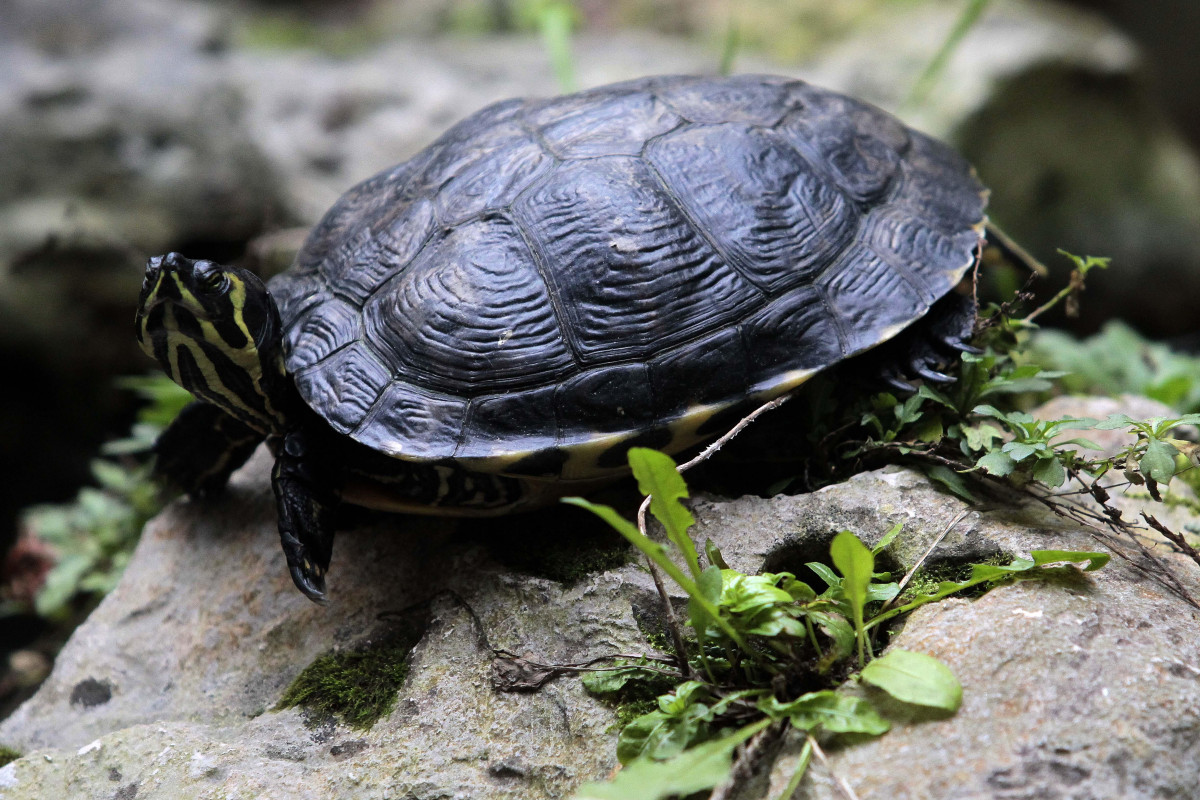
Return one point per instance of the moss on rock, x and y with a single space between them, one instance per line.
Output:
358 686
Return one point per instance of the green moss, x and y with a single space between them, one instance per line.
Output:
357 686
926 581
8 755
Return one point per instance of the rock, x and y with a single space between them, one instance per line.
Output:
177 672
171 685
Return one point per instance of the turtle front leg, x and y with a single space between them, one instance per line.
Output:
307 494
202 447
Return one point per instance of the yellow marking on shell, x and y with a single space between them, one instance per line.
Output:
583 458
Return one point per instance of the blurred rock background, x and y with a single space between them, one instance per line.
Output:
224 129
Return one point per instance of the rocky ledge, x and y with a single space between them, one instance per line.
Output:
1086 687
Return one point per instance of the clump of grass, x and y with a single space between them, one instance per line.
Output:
359 687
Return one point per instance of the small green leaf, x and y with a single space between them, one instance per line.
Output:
981 436
61 585
611 681
1087 444
930 393
929 430
1050 471
997 463
839 630
656 553
1019 451
659 478
694 770
709 583
954 482
1095 560
1158 462
887 539
713 553
825 573
830 710
854 560
915 678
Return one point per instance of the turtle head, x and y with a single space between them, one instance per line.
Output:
215 330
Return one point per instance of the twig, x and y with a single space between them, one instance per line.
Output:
842 787
709 451
1172 536
912 570
1111 518
681 655
586 666
734 431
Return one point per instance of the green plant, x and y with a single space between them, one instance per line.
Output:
554 20
1119 360
8 755
767 651
93 536
928 78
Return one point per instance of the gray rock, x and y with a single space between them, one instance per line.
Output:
1086 687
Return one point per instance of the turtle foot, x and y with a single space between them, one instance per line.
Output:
306 502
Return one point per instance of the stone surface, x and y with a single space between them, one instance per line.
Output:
1083 687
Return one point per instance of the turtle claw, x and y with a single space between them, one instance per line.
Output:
310 580
932 375
961 346
898 383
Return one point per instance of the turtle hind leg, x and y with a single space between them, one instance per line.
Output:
307 495
944 333
202 447
926 347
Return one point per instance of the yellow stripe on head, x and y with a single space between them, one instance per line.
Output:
214 330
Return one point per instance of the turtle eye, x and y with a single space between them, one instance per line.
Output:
210 279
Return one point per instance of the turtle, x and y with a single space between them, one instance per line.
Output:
492 324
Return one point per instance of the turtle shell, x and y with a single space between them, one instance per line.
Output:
553 281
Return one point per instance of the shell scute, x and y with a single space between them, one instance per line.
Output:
470 314
853 288
620 127
391 243
710 370
510 423
345 386
774 216
493 182
408 422
641 278
796 331
615 398
326 328
754 99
